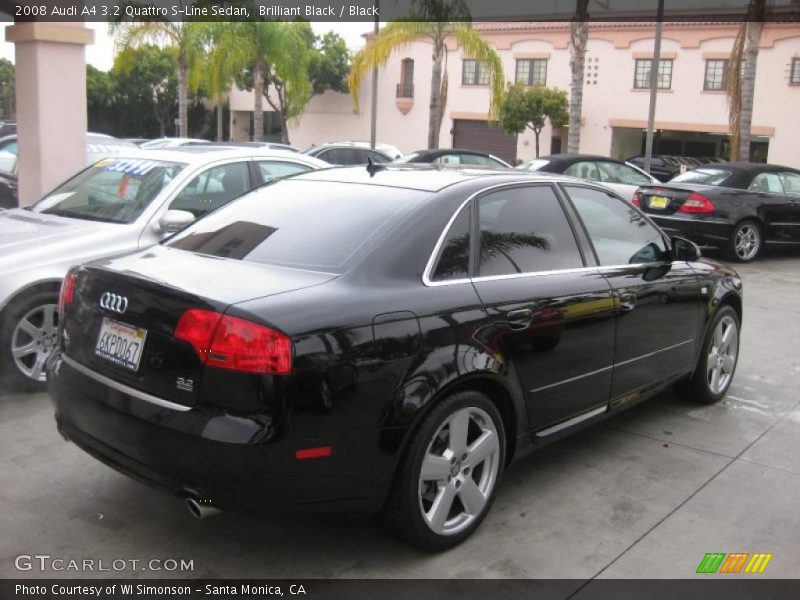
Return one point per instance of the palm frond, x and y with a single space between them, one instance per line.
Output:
475 46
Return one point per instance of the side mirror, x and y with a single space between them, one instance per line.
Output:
683 249
174 220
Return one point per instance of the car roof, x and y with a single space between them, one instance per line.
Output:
748 167
567 159
204 153
441 151
426 177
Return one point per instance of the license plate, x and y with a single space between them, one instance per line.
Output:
659 202
120 344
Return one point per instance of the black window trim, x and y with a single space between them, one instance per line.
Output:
472 203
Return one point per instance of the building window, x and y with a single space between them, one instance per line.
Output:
474 73
405 89
716 75
641 79
532 71
794 74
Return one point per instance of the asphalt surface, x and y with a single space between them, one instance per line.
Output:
644 495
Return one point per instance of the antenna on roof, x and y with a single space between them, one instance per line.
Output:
373 167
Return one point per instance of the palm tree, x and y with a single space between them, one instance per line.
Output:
253 46
443 19
207 71
579 34
742 79
181 37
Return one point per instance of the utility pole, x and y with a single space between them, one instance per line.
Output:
374 116
654 65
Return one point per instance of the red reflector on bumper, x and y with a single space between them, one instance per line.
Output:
320 452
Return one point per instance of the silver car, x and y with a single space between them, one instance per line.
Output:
117 205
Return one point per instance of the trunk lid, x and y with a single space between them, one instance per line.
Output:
666 199
141 297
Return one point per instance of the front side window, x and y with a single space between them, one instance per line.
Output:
619 233
524 230
314 225
453 260
766 182
531 71
113 190
716 75
641 78
474 73
212 188
791 183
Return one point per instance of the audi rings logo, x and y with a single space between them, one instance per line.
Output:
109 301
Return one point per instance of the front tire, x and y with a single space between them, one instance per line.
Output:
28 336
718 358
446 480
746 242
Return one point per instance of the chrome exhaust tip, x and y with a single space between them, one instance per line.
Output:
199 510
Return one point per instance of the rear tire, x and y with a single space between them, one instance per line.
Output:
746 242
28 336
718 359
446 480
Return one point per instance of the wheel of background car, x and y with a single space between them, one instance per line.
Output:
446 480
745 242
718 359
29 335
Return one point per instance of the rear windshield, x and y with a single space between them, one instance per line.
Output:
111 190
703 176
314 225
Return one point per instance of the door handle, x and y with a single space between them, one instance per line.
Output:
627 301
519 319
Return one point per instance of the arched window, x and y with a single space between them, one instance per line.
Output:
405 89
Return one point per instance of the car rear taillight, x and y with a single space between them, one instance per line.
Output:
697 204
232 343
636 200
67 292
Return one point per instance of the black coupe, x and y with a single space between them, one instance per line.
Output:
385 339
738 207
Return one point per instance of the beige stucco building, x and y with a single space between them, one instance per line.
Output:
691 115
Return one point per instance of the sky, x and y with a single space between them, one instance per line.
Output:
101 54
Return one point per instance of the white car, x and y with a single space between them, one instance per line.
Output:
117 205
171 142
624 178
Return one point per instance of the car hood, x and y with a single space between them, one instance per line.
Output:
29 240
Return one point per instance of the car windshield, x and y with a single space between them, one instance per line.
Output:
318 226
113 190
704 176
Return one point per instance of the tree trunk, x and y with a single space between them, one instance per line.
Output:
748 88
258 107
579 34
183 98
536 133
220 127
434 116
284 131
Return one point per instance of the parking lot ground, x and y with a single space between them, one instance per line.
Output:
644 495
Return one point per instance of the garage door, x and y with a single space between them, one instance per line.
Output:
480 135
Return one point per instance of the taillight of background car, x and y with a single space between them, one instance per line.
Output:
697 204
67 292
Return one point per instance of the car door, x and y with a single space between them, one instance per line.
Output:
658 300
553 311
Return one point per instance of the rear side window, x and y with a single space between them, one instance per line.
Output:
583 170
453 260
275 169
619 233
524 230
314 225
617 173
766 182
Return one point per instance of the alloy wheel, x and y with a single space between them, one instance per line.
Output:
747 241
459 471
33 340
721 360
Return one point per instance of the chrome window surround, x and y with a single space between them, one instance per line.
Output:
426 274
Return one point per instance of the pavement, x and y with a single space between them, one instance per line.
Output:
644 495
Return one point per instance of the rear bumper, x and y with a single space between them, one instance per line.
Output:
231 462
703 232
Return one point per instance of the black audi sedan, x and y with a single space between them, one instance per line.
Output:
737 207
386 339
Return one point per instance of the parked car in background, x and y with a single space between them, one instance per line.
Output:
738 207
393 151
269 145
664 167
7 128
116 205
136 141
454 156
98 145
443 323
347 154
170 142
621 177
